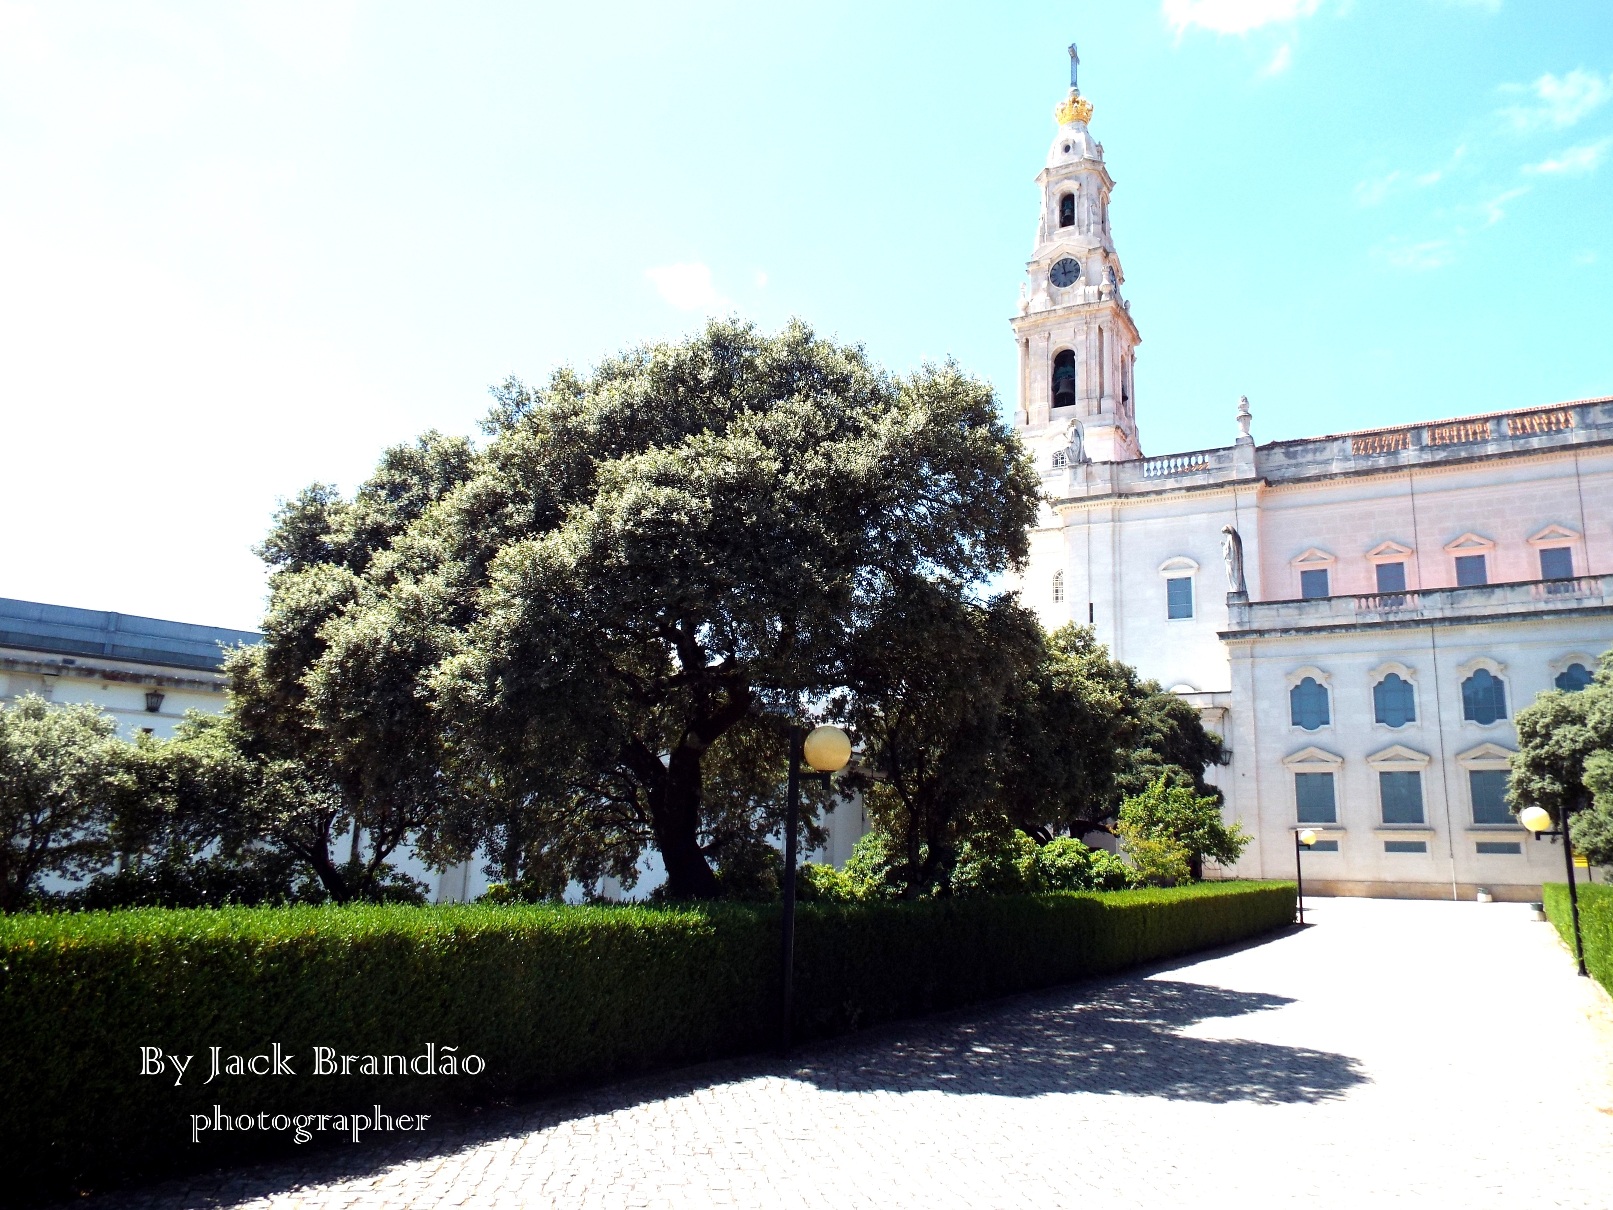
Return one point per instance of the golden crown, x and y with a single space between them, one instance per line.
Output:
1074 108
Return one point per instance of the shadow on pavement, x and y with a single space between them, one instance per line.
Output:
1118 1038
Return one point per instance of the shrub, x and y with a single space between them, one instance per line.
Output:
1168 830
823 884
549 996
1068 865
1595 925
997 864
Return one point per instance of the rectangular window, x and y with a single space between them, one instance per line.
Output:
1557 563
1500 848
1489 790
1471 571
1179 597
1313 583
1402 795
1325 846
1405 846
1391 577
1314 794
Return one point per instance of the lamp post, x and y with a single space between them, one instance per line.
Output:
1302 839
826 749
1538 821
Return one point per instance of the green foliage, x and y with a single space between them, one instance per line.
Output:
1169 830
549 996
63 776
815 883
997 863
1595 922
1068 865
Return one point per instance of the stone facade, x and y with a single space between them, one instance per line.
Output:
1360 615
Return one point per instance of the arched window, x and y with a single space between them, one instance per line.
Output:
1573 678
1058 588
1067 210
1393 702
1064 379
1060 460
1307 704
1484 698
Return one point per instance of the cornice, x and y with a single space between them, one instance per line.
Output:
97 672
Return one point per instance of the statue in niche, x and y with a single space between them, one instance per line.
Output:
1075 449
1232 555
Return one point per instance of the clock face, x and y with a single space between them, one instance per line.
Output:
1065 272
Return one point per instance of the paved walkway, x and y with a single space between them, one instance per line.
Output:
1423 1054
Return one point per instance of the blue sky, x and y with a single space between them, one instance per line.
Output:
243 247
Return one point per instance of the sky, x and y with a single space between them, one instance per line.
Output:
246 246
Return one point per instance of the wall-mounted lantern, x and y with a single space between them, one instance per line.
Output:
154 700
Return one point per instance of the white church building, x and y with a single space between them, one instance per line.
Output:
1360 615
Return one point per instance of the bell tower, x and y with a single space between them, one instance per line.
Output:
1077 343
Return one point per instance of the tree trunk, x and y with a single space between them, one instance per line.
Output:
675 818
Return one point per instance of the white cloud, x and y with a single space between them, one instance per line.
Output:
1372 193
687 286
1281 61
1559 101
1236 16
1585 257
1576 161
761 279
1494 210
1430 254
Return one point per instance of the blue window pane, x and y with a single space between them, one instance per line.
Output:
1393 702
1325 846
1484 698
1405 846
1307 704
1489 790
1402 795
1313 583
1470 571
1557 563
1391 577
1573 678
1499 847
1179 597
1314 794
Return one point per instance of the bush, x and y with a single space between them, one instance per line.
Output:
997 864
1595 925
1068 865
823 884
549 996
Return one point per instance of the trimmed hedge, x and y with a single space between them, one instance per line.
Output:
549 997
1595 925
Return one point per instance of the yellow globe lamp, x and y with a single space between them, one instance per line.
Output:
1307 838
827 749
1536 819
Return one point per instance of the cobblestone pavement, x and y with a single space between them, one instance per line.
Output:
1424 1054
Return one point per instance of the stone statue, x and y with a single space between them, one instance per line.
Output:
1243 418
1075 62
1075 452
1232 554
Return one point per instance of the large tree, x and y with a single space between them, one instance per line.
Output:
644 565
929 684
1564 761
63 773
334 702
